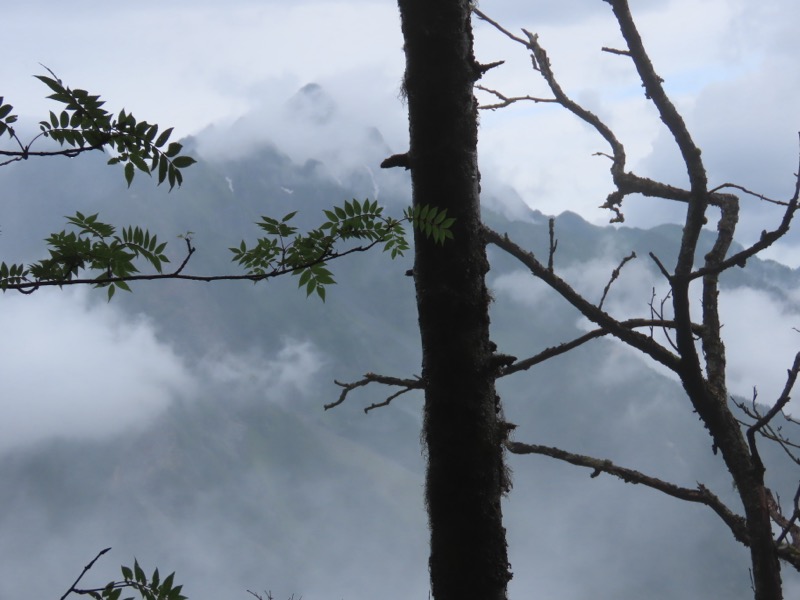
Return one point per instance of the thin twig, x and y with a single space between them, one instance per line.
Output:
506 101
614 276
667 275
788 525
85 570
767 237
605 321
616 51
388 400
776 408
407 384
553 351
497 26
749 192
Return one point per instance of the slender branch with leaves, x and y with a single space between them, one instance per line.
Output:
95 253
84 125
92 252
133 580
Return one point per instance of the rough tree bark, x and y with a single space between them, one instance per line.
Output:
463 433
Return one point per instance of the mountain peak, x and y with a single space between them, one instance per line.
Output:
312 103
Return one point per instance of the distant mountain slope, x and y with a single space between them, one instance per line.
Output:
250 485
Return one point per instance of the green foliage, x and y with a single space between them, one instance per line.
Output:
432 222
111 257
306 255
92 245
6 118
136 579
85 125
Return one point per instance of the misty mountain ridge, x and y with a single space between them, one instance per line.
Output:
249 484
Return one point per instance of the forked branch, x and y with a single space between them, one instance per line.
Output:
595 314
508 101
406 385
553 351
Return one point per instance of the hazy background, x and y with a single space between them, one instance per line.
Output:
183 424
730 65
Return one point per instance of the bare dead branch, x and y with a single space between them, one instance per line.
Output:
497 26
541 63
767 237
406 384
615 51
653 312
659 313
605 321
553 351
701 495
769 432
506 101
712 344
654 90
749 192
788 525
397 160
627 183
551 226
667 275
483 68
387 401
782 401
614 276
268 596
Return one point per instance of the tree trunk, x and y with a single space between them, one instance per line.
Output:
462 432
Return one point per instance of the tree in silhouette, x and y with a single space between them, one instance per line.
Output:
464 433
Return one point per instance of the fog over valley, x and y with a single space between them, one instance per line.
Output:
184 424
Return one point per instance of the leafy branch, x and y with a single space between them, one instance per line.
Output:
307 255
94 252
84 125
95 246
152 588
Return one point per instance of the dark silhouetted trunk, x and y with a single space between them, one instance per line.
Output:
462 430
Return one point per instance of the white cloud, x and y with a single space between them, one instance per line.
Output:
196 66
280 378
78 369
332 121
761 342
